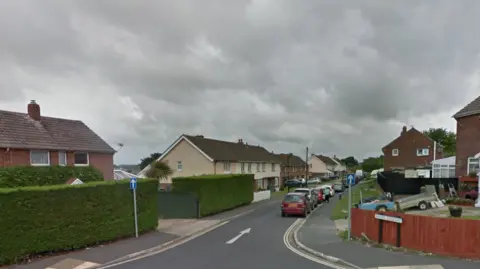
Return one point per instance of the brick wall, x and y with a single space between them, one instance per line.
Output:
103 162
468 142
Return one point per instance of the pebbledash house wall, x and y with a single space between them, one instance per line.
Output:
468 142
101 161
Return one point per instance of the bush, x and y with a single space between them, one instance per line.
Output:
459 201
39 220
217 193
23 176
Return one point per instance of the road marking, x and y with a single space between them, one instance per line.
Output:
304 255
231 241
433 266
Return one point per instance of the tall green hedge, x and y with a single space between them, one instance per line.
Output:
36 220
217 193
22 176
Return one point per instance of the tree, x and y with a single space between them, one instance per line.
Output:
372 163
446 138
159 170
148 160
350 162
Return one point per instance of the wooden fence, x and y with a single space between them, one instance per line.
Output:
443 236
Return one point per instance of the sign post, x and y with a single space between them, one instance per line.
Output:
133 187
350 182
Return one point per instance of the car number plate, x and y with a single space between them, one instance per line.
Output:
292 205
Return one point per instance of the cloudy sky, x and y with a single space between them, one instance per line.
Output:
341 77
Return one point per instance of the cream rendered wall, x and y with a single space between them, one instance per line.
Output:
193 162
317 166
236 168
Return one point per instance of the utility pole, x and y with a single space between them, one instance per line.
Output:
306 167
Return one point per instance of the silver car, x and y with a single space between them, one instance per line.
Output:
310 194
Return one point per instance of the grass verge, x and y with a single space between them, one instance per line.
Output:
362 190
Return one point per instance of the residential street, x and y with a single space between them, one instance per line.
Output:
263 245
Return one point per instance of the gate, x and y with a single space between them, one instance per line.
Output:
173 205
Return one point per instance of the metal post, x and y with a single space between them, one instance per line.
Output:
135 211
306 167
349 210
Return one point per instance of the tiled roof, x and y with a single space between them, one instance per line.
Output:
291 160
326 159
232 151
18 130
469 110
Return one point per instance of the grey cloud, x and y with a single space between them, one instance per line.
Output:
315 65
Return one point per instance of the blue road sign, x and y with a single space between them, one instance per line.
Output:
351 179
133 183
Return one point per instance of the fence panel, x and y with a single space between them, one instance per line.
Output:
173 205
396 183
443 236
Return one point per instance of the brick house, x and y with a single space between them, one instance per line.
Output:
292 166
468 139
412 149
32 139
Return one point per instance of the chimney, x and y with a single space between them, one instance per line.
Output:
34 110
404 130
240 141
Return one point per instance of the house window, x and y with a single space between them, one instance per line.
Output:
394 152
243 168
226 167
179 166
473 165
81 158
39 157
62 158
273 167
249 167
422 152
293 169
264 167
258 167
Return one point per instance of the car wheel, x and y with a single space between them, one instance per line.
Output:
423 205
468 197
283 214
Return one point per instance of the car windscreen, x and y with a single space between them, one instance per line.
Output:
302 191
292 199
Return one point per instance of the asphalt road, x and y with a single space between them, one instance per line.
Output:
263 246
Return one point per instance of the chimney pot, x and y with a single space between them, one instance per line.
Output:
240 141
33 110
404 130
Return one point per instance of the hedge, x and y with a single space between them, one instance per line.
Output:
40 220
217 193
22 176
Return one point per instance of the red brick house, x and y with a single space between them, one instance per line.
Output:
468 139
292 166
412 149
32 139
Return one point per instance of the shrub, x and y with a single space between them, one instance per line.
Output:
22 176
217 193
37 220
459 201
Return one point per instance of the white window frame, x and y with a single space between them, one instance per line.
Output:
242 167
249 167
179 166
227 167
81 164
473 160
258 167
422 152
64 154
273 167
395 152
40 164
264 167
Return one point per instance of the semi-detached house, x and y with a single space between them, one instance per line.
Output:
197 155
32 139
321 166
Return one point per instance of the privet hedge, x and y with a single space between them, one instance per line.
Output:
217 193
22 176
35 220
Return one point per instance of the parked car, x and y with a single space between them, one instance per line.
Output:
313 181
320 197
312 198
295 204
377 205
422 200
471 194
339 187
292 183
330 186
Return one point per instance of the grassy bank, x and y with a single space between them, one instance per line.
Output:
364 189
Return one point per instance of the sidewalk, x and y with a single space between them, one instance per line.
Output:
320 234
168 230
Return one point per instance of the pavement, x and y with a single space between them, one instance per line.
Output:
319 233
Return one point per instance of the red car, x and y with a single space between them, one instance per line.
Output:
320 197
472 194
295 204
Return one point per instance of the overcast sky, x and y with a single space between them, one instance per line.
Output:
341 77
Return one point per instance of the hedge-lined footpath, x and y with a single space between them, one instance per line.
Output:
39 220
23 176
217 193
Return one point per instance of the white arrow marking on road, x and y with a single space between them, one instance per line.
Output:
231 241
